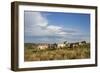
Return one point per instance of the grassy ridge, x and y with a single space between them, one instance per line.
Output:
32 54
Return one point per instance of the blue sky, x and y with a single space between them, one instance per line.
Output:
56 27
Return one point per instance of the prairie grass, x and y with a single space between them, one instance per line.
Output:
82 52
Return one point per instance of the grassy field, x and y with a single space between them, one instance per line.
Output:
32 54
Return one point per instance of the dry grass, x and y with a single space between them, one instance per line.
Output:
82 52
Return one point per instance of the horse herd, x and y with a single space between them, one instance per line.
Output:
61 45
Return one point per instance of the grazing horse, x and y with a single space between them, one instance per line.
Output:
73 45
42 46
52 46
61 45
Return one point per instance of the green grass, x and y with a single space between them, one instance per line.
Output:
32 54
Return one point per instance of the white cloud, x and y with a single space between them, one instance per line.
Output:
62 33
54 29
37 25
40 20
35 18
